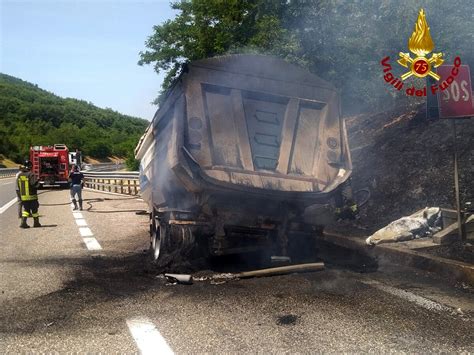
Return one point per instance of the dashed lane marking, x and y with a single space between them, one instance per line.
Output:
409 296
148 338
77 215
7 205
81 222
85 232
92 243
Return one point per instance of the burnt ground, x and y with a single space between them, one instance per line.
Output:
58 296
407 162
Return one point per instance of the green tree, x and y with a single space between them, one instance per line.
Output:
99 150
341 41
131 163
205 28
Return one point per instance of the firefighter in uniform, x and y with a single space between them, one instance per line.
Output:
346 207
26 190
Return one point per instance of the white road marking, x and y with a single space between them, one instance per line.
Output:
81 222
409 296
92 244
148 338
77 215
7 205
85 232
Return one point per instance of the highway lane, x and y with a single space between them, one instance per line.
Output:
56 295
7 191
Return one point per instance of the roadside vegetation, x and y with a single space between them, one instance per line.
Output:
340 41
32 116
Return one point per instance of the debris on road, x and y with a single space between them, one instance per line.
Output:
282 270
221 278
179 279
422 224
226 275
200 278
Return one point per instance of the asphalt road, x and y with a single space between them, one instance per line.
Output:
7 191
62 292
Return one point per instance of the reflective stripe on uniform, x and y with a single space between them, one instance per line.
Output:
24 185
354 208
25 214
35 215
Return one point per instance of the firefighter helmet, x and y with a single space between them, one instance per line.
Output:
27 164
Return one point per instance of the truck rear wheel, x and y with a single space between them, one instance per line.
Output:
159 238
169 243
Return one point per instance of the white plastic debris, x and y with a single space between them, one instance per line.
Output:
182 279
423 224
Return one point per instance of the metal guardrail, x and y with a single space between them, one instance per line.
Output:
104 167
6 172
122 182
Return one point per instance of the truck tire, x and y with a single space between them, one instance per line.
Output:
169 243
159 238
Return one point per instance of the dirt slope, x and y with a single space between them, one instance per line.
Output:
407 161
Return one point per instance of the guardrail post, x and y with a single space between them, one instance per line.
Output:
121 186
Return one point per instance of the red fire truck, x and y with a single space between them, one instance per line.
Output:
51 164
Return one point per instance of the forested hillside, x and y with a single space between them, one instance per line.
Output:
32 116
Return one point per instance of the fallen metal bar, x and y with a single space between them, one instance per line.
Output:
282 270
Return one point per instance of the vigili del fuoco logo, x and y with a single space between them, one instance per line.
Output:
420 66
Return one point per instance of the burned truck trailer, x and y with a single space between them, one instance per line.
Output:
238 152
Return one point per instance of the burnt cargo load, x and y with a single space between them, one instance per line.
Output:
240 148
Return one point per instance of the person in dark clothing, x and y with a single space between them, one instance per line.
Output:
26 191
346 206
76 178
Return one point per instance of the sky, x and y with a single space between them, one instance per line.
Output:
85 49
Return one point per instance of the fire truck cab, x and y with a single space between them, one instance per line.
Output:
50 164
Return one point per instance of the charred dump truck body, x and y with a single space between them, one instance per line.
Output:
242 146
